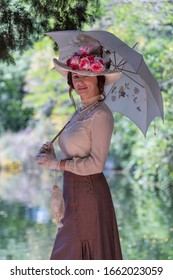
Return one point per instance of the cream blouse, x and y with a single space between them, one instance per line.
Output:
86 139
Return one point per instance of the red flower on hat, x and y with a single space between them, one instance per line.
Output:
75 67
97 67
91 58
68 62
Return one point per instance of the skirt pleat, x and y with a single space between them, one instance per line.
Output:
87 250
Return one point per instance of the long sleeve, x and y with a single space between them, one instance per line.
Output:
101 132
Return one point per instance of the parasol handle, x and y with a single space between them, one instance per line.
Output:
58 134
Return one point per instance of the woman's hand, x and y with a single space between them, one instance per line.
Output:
46 157
47 148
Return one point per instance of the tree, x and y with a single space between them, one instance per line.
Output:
13 116
22 22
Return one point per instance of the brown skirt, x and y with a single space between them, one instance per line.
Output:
89 230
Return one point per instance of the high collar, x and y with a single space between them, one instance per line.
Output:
88 102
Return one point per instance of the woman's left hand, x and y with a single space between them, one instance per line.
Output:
46 157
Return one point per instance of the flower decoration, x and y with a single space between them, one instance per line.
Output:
85 60
122 92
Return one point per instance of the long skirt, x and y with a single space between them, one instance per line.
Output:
89 230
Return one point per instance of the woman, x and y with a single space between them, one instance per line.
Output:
89 229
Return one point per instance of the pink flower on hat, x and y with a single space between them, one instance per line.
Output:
84 64
97 67
84 60
74 60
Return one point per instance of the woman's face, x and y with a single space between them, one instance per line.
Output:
85 86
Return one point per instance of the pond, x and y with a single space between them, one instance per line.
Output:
27 231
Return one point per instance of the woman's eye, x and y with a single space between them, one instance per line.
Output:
75 77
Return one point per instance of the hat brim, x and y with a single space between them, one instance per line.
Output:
110 75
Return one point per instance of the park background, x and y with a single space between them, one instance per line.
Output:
34 105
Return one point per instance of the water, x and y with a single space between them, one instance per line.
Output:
27 231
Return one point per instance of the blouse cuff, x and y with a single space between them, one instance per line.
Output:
67 165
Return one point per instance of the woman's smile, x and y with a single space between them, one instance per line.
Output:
82 88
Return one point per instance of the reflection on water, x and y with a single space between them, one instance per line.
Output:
27 231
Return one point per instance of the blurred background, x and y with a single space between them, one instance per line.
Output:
34 105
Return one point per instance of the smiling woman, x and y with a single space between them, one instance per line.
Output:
89 228
85 86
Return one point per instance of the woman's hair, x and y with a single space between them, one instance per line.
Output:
101 83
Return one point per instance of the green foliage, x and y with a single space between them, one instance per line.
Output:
47 90
153 157
22 22
13 116
144 219
17 24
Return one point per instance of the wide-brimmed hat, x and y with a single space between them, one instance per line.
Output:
86 56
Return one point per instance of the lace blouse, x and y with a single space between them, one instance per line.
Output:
86 139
